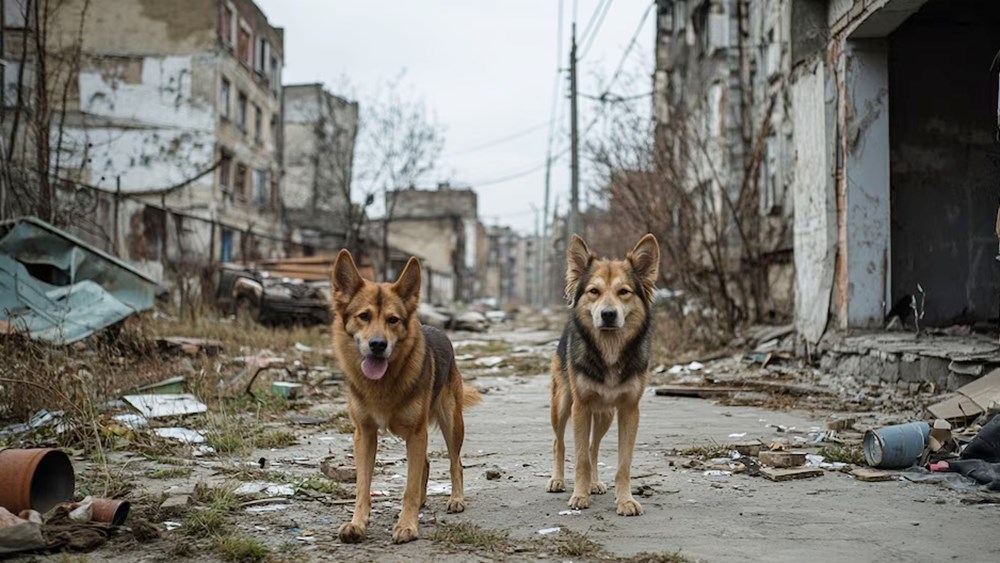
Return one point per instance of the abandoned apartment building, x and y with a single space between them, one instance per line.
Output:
167 136
884 132
440 226
320 131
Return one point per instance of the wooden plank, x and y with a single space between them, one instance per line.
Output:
776 474
696 391
872 475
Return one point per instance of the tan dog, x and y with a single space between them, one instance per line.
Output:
402 378
601 365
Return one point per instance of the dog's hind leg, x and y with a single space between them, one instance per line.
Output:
365 444
601 421
453 428
628 426
560 411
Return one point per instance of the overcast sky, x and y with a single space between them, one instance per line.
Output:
486 69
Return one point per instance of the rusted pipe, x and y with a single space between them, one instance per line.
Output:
35 479
110 510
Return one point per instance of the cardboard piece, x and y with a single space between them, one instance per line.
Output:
783 459
775 474
872 475
971 400
153 406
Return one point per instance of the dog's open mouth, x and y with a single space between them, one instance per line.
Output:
374 368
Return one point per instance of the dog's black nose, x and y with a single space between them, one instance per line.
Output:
609 315
377 345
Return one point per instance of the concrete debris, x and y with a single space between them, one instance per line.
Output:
156 406
338 473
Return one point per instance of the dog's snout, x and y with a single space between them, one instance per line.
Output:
378 345
609 315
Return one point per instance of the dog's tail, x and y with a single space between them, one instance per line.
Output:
470 396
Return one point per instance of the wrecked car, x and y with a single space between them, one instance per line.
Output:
250 294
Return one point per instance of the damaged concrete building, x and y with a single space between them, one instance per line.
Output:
320 130
170 121
884 144
441 227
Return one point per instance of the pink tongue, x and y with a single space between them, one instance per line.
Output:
374 368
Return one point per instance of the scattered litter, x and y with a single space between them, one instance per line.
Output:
547 531
572 512
896 447
783 459
190 346
303 348
260 487
171 385
970 400
185 435
694 366
265 508
872 475
738 435
171 526
489 361
776 474
286 389
155 406
717 473
131 421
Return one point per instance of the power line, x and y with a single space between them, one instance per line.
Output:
593 17
628 49
521 173
501 140
593 35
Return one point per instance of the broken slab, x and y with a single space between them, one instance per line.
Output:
778 474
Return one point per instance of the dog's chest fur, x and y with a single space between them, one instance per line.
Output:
606 369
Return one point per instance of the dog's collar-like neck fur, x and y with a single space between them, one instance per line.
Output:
588 360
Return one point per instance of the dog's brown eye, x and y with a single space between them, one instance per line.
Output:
594 291
392 320
623 292
366 316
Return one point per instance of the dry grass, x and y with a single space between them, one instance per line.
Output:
273 439
647 557
171 473
471 535
853 454
241 549
574 544
679 338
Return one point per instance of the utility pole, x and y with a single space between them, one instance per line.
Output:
574 203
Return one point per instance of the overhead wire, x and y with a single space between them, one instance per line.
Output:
588 41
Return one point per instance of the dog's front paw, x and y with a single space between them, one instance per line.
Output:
556 485
598 488
629 507
351 533
579 501
456 505
403 534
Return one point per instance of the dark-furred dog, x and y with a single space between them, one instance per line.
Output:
600 367
402 378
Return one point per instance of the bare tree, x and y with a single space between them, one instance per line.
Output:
401 142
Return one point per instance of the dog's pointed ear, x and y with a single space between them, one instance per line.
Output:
408 284
645 261
345 278
578 259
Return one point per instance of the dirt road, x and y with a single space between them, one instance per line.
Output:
696 516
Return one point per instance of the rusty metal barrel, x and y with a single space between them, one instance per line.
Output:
36 479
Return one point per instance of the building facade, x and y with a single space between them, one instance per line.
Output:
169 117
320 130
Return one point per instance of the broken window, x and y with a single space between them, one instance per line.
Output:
258 123
274 131
241 108
225 171
227 23
224 99
244 43
275 75
263 55
240 184
261 187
